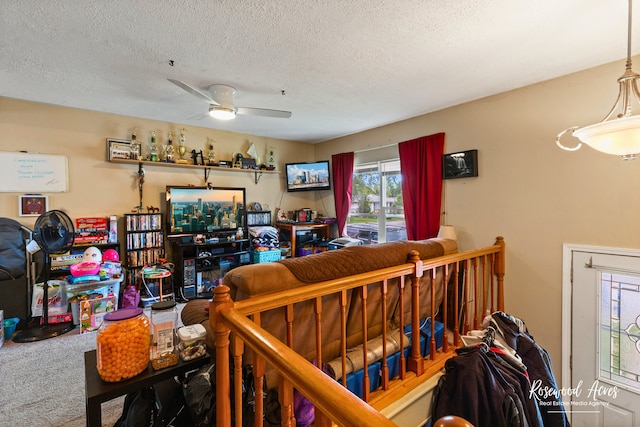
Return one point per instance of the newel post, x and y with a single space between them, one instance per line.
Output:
500 272
415 362
221 301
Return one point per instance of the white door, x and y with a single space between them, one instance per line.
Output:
605 339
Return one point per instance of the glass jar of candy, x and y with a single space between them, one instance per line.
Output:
122 343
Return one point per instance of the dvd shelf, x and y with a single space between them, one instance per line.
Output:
144 242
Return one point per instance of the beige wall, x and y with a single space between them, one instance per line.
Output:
531 192
99 188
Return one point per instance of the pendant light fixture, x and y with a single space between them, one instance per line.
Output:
619 132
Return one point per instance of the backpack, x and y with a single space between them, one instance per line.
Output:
139 409
13 259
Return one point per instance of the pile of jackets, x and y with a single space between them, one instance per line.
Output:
501 378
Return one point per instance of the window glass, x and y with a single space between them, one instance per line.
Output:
377 213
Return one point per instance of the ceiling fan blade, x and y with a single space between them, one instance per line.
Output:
263 112
193 91
199 116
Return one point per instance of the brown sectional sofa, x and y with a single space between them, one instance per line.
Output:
259 279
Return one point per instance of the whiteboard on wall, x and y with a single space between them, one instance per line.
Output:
33 173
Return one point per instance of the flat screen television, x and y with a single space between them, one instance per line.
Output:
202 210
308 176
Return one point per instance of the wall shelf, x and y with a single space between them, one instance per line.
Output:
257 174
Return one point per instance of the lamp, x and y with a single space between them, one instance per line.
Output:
617 134
222 113
447 232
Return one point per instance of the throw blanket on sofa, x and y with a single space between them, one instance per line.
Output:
340 263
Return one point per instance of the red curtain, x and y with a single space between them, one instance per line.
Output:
421 169
342 168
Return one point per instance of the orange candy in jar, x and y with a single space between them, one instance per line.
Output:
123 343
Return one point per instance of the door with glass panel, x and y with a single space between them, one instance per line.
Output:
605 338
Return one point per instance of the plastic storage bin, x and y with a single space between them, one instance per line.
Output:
125 335
266 256
192 342
164 319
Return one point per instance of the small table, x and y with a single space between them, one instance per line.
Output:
98 391
293 228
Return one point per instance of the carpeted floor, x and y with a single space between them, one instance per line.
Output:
42 383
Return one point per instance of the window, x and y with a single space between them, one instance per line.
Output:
377 212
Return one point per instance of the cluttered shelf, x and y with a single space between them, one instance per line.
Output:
207 168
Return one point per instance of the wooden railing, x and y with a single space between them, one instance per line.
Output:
472 285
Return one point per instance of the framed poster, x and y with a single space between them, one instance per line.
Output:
463 164
122 149
32 204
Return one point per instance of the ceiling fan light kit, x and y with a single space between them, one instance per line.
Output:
617 134
222 102
222 113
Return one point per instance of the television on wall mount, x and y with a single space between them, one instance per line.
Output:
463 164
308 176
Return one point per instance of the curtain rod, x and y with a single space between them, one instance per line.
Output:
375 148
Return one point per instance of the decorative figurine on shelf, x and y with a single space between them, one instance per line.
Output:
271 159
212 153
153 148
135 145
239 233
195 155
182 149
169 152
152 209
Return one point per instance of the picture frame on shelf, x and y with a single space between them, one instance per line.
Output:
122 149
463 164
32 204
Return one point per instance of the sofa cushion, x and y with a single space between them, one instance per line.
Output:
341 263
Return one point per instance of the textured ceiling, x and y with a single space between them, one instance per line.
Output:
344 66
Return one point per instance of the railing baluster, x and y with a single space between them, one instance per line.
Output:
385 369
475 292
500 271
258 382
285 395
366 382
317 307
456 304
467 296
415 362
492 261
433 347
237 348
483 302
343 334
289 319
221 300
445 283
402 361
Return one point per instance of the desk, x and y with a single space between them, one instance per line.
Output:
293 228
98 391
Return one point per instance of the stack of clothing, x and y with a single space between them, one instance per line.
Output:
264 237
498 380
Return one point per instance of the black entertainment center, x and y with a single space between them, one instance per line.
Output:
199 267
207 229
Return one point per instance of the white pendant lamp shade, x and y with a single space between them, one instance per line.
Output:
619 137
619 132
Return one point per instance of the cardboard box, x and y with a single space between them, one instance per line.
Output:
92 312
58 318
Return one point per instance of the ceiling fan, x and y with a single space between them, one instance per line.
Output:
221 105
